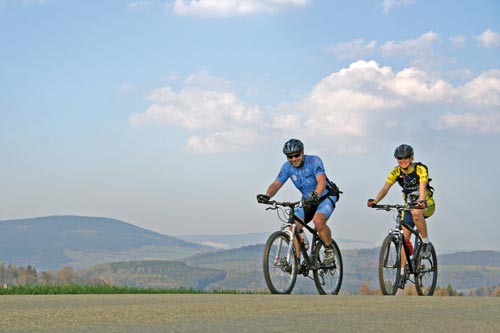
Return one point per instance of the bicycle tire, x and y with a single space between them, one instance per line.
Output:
328 280
280 272
426 273
389 266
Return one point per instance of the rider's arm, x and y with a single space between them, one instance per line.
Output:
273 188
321 179
422 191
383 192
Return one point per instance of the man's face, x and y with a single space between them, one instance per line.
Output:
295 159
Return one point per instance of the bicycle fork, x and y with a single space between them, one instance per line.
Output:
277 260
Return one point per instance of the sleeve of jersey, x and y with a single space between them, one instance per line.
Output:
422 174
393 175
319 169
283 175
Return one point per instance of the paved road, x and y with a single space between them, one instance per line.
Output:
247 313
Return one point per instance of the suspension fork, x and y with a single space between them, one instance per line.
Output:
290 231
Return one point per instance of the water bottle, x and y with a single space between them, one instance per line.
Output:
304 239
409 245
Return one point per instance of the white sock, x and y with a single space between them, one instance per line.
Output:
426 240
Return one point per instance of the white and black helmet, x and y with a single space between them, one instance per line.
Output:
293 146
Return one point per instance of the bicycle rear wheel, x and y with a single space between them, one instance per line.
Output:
389 265
426 273
328 279
280 264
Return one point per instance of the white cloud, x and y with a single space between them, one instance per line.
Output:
418 51
489 39
472 123
355 49
411 47
417 85
388 4
484 90
224 8
201 109
458 41
353 106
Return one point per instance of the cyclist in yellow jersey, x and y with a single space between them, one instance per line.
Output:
414 179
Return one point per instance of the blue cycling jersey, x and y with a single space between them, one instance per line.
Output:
303 177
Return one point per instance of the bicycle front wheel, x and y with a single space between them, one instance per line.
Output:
280 263
328 279
426 273
389 265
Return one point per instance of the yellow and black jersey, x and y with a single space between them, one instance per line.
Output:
410 182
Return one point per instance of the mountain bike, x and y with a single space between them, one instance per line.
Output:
424 270
282 265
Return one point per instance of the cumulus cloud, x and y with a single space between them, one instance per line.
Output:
351 106
362 100
483 91
489 39
224 8
198 108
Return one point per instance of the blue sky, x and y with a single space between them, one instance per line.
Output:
171 115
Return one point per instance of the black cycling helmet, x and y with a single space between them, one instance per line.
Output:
293 146
403 151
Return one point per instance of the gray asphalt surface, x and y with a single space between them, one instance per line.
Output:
247 313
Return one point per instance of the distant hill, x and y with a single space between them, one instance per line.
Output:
482 258
52 242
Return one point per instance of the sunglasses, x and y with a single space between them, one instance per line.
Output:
293 156
403 158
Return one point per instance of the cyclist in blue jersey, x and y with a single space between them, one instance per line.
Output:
308 175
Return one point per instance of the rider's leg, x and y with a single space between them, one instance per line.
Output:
323 230
296 242
418 218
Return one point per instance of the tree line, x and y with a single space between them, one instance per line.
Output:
11 275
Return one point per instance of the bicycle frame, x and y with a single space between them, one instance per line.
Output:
290 227
398 232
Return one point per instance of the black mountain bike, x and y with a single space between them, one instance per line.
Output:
281 264
424 270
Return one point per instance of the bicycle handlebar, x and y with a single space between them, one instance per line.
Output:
275 203
389 207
